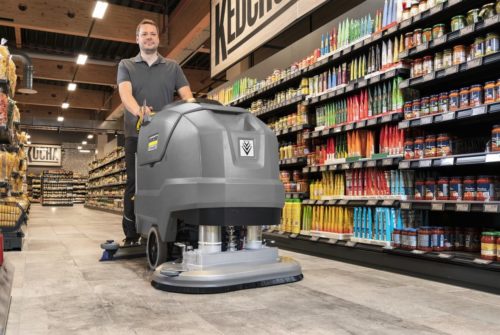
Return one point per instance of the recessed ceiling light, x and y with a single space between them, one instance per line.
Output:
84 142
85 151
71 86
82 59
79 147
60 118
100 9
28 142
65 105
90 136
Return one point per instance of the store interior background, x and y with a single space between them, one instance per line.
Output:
95 105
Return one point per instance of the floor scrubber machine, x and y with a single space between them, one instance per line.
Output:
207 180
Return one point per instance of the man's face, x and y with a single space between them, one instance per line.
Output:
148 39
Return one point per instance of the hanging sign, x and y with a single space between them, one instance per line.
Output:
44 155
238 27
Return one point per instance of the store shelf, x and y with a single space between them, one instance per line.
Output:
356 85
484 65
361 124
107 210
293 162
451 38
291 130
457 270
107 185
277 108
107 163
462 115
358 164
370 241
108 174
94 196
465 159
453 206
355 201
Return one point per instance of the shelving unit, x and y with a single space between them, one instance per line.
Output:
34 188
465 267
106 183
57 188
79 188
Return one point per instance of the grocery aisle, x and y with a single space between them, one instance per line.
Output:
61 288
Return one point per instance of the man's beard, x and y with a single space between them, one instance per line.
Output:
149 51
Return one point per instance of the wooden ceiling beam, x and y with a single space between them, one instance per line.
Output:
63 71
55 95
182 31
75 17
19 41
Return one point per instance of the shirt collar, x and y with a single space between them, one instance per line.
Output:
138 59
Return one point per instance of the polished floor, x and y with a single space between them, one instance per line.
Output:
61 288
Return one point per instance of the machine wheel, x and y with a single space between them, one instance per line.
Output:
156 249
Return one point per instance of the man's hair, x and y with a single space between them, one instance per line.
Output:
146 21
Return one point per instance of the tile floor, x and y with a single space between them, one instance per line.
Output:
61 288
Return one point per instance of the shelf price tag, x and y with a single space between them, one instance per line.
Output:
392 29
422 47
388 202
306 170
436 9
387 162
403 54
376 36
372 202
451 70
357 165
293 161
295 128
429 76
386 118
448 116
481 261
446 256
478 110
315 134
320 202
440 40
314 238
463 207
323 168
474 63
358 45
491 208
405 23
293 235
447 161
332 241
331 202
325 132
425 163
418 252
426 120
337 130
375 79
405 83
360 124
467 30
438 206
453 2
491 21
492 158
343 202
372 163
351 244
404 124
406 205
404 165
350 87
345 166
349 126
362 83
371 122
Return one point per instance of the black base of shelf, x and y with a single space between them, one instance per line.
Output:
406 263
57 205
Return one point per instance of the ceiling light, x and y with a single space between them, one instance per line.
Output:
82 59
100 9
84 142
60 118
79 147
28 142
85 151
90 136
71 86
28 136
65 105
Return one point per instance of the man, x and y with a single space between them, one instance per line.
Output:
146 82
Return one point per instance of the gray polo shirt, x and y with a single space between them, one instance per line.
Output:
156 83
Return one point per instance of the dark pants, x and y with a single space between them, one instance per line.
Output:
128 221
